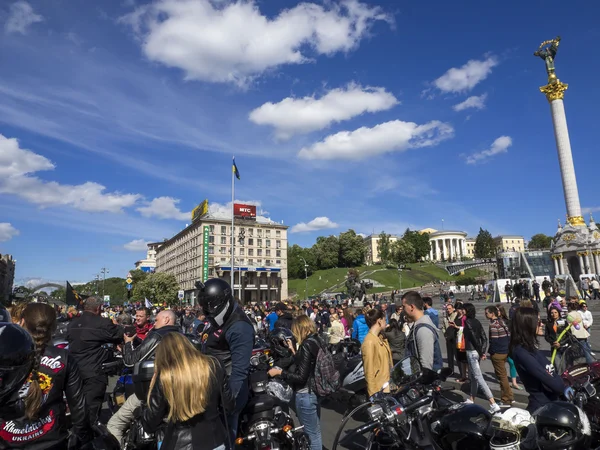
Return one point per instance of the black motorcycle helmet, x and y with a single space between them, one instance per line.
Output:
215 297
4 314
562 426
278 342
17 353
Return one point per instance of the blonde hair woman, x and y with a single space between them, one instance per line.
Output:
308 408
187 390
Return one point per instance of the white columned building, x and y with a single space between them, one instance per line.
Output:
447 245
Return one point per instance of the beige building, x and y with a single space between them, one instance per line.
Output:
149 264
510 243
202 250
7 277
372 245
470 247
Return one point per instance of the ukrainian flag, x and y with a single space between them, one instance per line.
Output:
235 170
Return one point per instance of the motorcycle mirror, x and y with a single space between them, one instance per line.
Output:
445 373
406 371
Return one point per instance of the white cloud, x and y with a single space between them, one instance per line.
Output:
318 223
223 211
590 209
465 78
232 41
137 245
500 145
383 138
17 167
303 115
164 208
20 17
7 231
472 102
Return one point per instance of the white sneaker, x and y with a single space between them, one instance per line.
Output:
468 401
494 408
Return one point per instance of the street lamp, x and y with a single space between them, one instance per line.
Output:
306 279
104 271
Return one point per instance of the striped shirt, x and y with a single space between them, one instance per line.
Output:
499 337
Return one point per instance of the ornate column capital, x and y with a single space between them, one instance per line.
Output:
576 221
584 253
557 256
554 90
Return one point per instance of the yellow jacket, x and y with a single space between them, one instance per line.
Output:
377 361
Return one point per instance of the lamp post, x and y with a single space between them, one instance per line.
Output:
104 271
97 283
305 278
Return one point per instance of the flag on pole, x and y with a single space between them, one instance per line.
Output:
235 169
72 297
147 303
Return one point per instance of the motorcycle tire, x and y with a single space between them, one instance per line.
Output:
302 441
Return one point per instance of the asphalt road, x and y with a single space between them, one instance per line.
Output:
332 413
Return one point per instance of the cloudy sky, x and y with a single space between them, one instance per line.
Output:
117 119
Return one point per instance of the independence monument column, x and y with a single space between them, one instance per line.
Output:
555 92
575 242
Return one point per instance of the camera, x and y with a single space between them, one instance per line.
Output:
130 330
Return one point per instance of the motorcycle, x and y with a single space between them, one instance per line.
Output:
348 361
265 422
585 379
421 415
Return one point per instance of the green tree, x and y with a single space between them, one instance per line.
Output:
352 249
326 251
402 251
420 242
296 263
384 248
540 241
59 294
114 286
157 287
484 245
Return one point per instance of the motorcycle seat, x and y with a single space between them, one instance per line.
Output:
260 404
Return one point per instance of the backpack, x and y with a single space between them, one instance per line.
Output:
326 378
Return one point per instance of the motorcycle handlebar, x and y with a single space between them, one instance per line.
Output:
369 426
108 365
416 405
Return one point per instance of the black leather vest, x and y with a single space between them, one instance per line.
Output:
214 342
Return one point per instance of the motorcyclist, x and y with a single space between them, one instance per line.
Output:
86 335
166 322
33 379
230 338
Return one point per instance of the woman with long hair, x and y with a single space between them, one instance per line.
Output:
36 409
534 369
376 353
461 355
308 408
499 339
396 339
188 390
475 348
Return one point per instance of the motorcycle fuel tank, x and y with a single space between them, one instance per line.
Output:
461 426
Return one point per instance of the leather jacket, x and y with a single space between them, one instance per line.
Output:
204 431
147 348
60 374
306 357
86 335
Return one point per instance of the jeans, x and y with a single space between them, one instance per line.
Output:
499 363
511 367
308 411
588 350
476 376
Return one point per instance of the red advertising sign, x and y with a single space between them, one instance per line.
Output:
240 210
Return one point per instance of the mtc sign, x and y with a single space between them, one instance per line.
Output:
245 211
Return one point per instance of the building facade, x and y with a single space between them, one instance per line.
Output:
149 264
7 277
448 245
529 264
373 255
510 243
470 244
202 250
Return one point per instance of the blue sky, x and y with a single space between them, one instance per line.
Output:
118 117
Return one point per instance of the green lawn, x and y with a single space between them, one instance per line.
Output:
420 274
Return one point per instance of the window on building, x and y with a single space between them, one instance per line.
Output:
250 231
241 251
278 233
268 262
223 260
211 228
211 261
250 262
259 261
223 229
268 233
222 250
259 242
268 252
250 252
211 272
268 243
250 241
211 250
259 232
223 240
278 244
278 262
211 239
278 253
259 252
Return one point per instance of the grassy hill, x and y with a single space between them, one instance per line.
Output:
332 280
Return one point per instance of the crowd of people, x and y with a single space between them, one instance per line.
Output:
191 387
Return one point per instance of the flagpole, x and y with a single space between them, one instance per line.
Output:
232 225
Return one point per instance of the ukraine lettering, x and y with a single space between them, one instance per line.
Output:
11 432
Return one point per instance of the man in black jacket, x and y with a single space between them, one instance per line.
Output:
285 318
86 335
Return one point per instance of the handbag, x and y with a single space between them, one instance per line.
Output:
460 339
